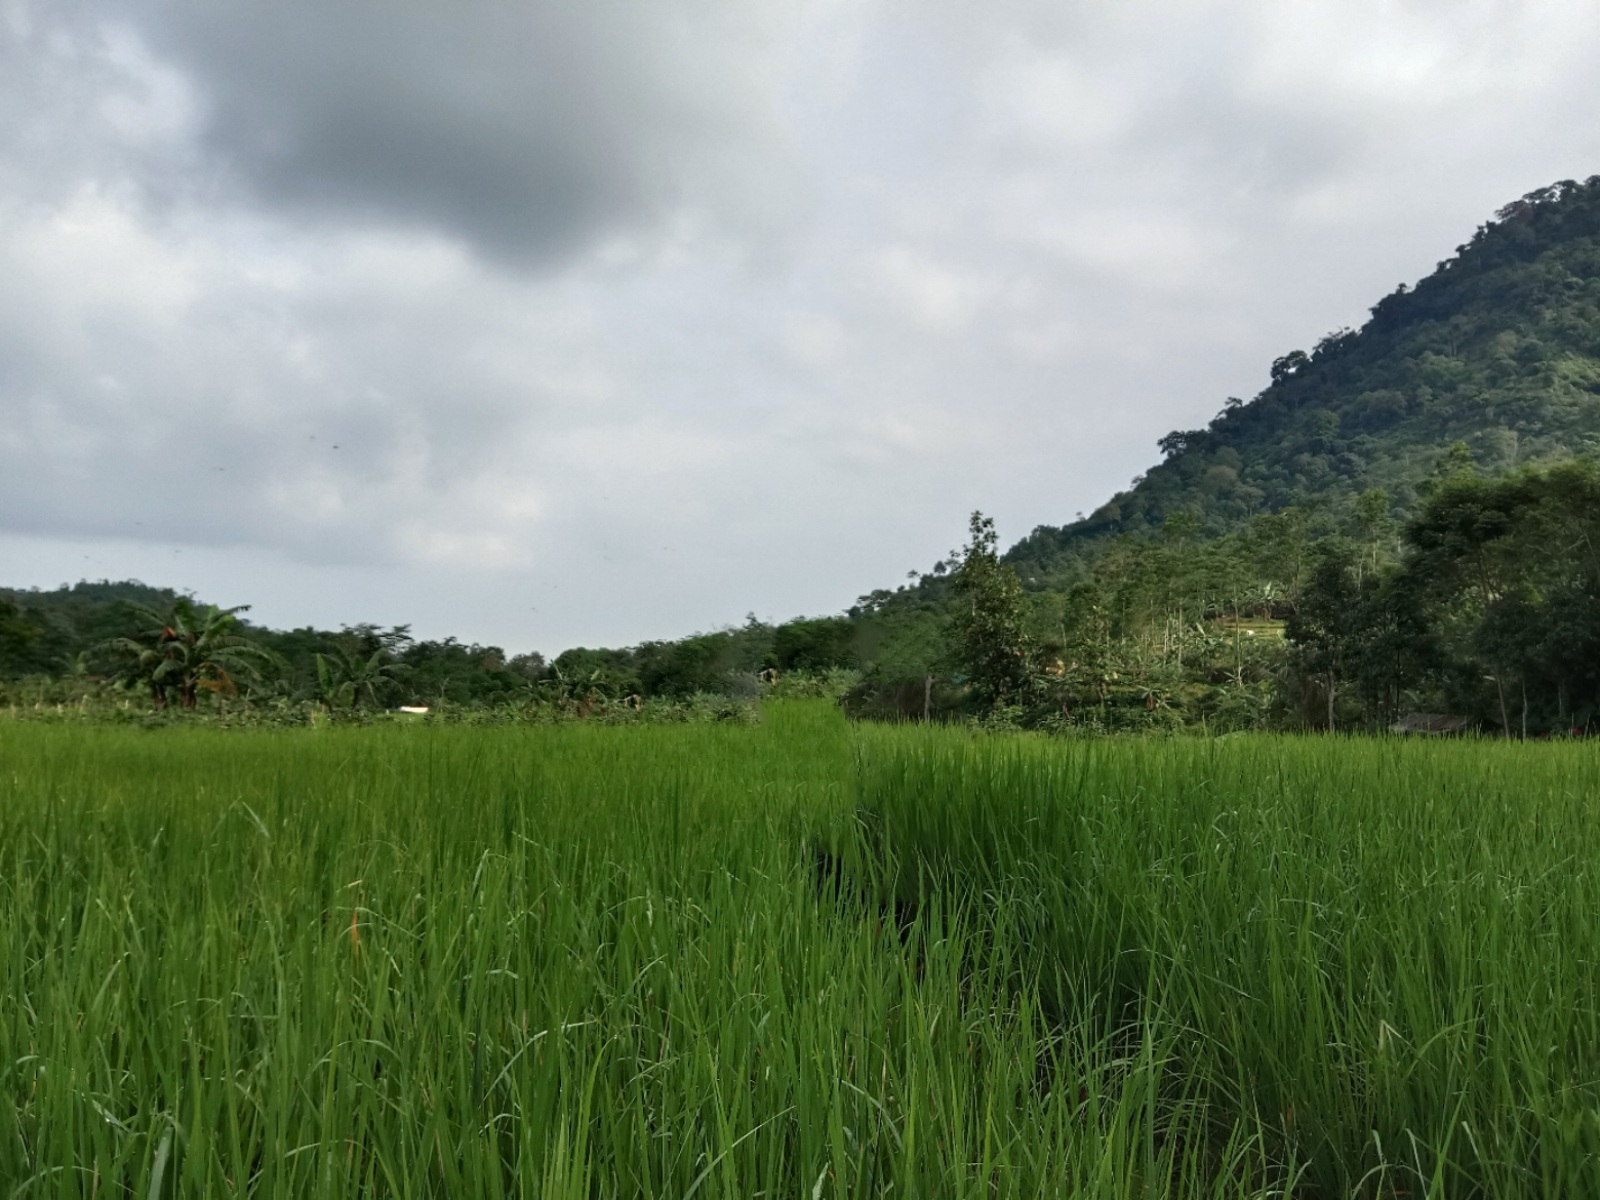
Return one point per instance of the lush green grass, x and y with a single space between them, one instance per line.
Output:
1381 959
794 959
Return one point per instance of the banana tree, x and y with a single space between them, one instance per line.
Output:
187 650
346 676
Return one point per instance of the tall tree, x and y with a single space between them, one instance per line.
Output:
1510 569
20 634
1324 625
991 641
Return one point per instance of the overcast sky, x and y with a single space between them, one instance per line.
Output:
551 324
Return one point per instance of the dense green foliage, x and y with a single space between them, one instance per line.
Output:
186 650
729 661
48 633
85 631
796 959
1507 574
991 643
1482 609
93 634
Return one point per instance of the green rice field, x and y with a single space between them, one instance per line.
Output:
794 959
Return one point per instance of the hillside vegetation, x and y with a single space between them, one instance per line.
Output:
1498 349
1320 556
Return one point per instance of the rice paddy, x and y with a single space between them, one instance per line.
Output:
794 959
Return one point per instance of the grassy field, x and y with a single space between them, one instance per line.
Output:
794 959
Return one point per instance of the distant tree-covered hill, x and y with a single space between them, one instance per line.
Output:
45 632
1499 349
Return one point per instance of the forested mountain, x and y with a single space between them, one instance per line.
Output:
1302 560
1499 349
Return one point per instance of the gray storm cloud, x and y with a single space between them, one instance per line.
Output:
526 129
552 322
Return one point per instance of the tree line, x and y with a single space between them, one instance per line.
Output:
1479 609
171 652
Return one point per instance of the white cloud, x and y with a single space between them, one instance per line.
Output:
815 339
932 293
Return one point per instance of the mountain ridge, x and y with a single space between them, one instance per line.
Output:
1499 348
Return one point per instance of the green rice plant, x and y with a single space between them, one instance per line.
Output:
1378 958
563 961
792 958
